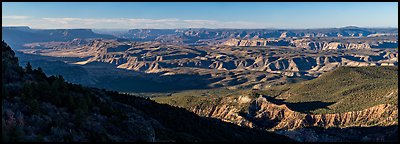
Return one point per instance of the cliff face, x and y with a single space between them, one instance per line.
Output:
155 57
349 99
330 45
257 42
192 36
260 33
311 44
377 123
240 66
266 115
383 115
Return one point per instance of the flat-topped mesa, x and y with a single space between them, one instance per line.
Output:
139 56
21 28
71 32
194 36
18 36
313 44
257 42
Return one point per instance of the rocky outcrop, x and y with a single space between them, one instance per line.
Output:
380 115
323 45
311 44
215 36
148 59
348 99
267 115
257 42
223 66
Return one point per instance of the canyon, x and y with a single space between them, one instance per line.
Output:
283 114
220 66
305 84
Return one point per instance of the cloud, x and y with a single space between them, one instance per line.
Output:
14 17
128 23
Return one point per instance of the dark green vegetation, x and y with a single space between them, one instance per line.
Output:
191 98
342 90
41 108
204 99
346 89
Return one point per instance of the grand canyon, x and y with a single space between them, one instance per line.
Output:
200 84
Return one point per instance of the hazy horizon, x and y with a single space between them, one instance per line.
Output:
209 15
117 29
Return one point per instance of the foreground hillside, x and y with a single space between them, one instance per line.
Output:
347 88
41 108
359 102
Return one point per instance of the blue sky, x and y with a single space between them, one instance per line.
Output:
128 15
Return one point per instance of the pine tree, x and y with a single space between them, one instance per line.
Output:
28 67
40 70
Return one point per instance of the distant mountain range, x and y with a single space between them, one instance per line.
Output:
17 36
200 36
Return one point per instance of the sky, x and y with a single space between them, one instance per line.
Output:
170 15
